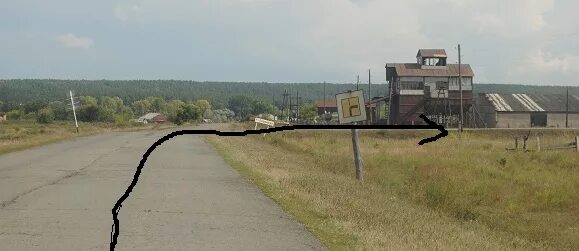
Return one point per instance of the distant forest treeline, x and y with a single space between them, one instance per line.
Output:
218 93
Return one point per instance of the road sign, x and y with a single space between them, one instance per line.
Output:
351 107
265 122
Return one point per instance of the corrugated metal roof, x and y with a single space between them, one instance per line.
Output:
414 70
431 53
328 103
532 102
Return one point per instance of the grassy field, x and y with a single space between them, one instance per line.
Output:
18 135
450 194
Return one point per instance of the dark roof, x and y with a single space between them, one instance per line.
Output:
531 102
160 118
328 104
414 70
439 53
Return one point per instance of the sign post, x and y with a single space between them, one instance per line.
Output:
357 157
352 109
266 122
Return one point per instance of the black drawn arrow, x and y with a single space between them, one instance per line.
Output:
116 224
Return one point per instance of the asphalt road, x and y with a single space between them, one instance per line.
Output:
59 197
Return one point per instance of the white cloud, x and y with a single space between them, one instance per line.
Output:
513 41
73 41
509 18
543 65
126 12
345 37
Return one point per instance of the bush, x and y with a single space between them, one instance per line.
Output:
187 113
14 115
29 116
45 116
105 115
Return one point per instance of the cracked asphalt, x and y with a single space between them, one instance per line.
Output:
60 196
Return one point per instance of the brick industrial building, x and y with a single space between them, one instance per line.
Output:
430 86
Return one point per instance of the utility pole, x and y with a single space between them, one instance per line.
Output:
370 95
389 96
567 110
460 88
73 109
358 82
297 106
357 157
290 110
324 99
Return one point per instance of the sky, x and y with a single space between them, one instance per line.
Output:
506 42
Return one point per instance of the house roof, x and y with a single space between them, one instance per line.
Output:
149 116
415 70
439 53
531 102
328 104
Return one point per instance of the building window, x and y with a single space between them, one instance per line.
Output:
407 85
441 85
434 61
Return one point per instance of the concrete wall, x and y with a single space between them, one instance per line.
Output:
558 120
523 120
513 120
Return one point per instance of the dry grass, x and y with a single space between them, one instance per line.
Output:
19 135
451 194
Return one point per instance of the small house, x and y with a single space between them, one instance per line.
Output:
326 106
152 118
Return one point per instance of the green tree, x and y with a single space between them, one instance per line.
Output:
16 114
173 108
260 107
120 105
88 101
141 107
222 115
45 116
124 117
205 107
33 106
88 113
59 109
105 115
308 111
242 105
112 103
187 113
158 104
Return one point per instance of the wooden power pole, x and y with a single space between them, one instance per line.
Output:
460 125
370 95
73 109
567 110
357 157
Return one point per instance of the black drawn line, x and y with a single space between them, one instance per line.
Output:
116 224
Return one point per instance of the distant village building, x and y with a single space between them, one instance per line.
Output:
329 106
429 86
152 118
501 110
